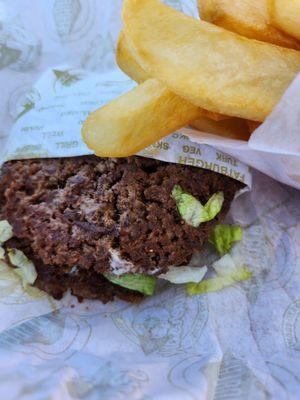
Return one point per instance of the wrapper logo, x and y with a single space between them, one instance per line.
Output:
21 100
47 336
291 326
285 377
269 250
65 78
229 379
277 223
108 380
167 324
100 55
72 19
19 49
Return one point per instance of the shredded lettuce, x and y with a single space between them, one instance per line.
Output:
192 211
224 236
179 275
226 265
2 253
6 231
220 282
24 268
214 206
229 270
140 283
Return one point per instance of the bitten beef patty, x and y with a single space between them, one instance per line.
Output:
79 217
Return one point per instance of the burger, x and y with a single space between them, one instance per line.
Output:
111 227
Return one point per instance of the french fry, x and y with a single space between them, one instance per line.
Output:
138 118
128 64
249 18
285 15
234 128
253 125
135 120
212 68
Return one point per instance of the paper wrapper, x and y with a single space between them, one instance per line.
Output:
241 343
71 94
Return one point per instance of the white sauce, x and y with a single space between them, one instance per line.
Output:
118 265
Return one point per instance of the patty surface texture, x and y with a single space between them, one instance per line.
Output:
80 217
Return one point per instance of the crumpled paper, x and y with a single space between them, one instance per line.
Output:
241 343
50 122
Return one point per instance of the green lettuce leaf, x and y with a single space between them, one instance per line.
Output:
227 265
229 270
2 253
224 236
192 211
24 268
6 231
214 205
220 282
179 275
140 283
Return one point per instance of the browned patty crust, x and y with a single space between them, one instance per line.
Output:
68 213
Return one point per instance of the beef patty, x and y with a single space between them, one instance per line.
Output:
76 218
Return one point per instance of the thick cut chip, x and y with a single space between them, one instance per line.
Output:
285 15
212 68
141 116
253 125
130 65
233 128
127 61
135 120
248 18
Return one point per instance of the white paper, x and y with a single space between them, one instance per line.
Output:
50 122
241 343
274 148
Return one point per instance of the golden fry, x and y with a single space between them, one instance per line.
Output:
212 68
285 15
128 64
233 128
135 120
249 18
138 118
253 125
